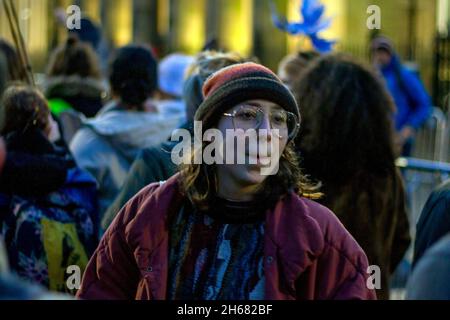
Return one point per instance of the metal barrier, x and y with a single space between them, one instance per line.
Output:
421 178
432 140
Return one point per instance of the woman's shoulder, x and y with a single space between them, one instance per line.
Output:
326 226
323 216
144 215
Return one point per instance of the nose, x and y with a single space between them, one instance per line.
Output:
265 125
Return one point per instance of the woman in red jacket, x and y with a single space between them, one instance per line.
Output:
230 231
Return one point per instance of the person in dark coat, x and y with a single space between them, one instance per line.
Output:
37 173
229 231
47 225
430 279
27 173
346 144
434 221
154 164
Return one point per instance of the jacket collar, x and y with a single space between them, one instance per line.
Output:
294 236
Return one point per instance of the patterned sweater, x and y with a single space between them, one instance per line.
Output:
217 255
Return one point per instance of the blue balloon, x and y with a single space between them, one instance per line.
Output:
312 12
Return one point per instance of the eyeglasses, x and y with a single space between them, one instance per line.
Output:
248 117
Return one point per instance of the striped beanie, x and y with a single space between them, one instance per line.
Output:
239 83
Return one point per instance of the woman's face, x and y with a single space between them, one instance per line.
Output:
265 152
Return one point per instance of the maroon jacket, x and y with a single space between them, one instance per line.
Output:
308 252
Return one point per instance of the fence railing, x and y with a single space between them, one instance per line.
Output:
432 140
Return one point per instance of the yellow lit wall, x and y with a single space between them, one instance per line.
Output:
236 25
92 9
33 21
121 22
443 15
191 21
163 16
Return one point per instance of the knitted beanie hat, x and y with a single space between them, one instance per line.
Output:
239 83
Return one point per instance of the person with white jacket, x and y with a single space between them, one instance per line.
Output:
107 145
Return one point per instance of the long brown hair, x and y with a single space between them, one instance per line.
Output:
24 108
347 115
74 58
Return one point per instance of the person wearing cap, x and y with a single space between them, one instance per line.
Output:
226 231
411 99
171 77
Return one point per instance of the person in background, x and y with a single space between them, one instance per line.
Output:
155 164
46 231
107 145
89 33
430 278
171 77
291 67
228 231
43 172
434 222
290 71
411 99
347 144
14 288
73 79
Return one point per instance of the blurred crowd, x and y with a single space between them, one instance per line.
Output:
79 151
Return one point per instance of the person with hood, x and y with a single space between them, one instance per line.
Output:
411 99
228 231
73 79
347 145
154 164
107 145
47 227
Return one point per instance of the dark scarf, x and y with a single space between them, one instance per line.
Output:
236 212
